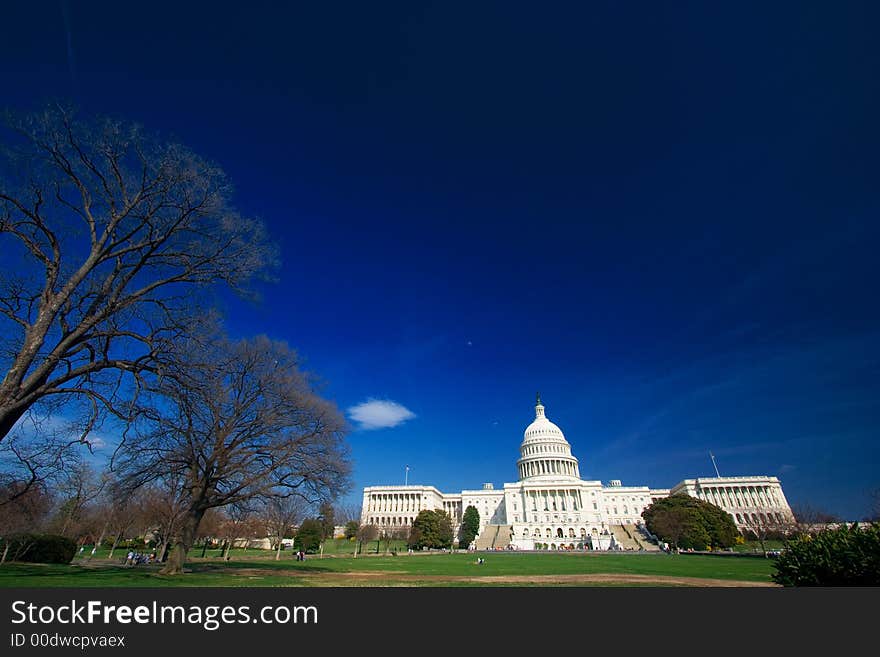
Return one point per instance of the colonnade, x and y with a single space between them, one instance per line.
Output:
395 502
548 466
553 500
737 496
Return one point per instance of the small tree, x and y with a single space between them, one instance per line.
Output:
280 515
326 515
767 528
470 526
351 529
309 535
366 534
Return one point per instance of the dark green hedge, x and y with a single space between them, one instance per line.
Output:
847 556
39 548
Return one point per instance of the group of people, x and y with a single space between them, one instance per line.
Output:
300 556
134 558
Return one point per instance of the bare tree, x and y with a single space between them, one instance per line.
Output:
236 421
38 449
366 534
345 513
808 518
874 510
28 511
239 523
126 515
106 233
80 487
767 527
165 506
281 515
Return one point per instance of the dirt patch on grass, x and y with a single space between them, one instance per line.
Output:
619 578
392 578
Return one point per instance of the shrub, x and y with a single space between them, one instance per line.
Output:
40 548
846 556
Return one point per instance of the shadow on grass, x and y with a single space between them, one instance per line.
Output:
226 566
15 574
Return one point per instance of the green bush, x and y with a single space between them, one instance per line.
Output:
847 556
40 548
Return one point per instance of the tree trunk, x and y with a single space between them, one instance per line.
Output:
114 546
278 551
99 541
5 552
226 551
175 563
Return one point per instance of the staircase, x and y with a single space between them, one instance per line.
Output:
630 538
493 537
642 539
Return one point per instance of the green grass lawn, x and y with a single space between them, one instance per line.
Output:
258 568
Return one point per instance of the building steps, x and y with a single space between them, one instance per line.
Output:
493 537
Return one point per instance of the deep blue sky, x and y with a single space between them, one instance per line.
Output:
664 219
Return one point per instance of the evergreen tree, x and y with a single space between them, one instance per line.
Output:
470 526
326 517
308 538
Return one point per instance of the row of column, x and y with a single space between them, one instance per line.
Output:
395 502
453 509
741 496
554 500
548 466
543 448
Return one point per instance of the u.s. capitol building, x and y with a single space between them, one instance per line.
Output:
551 507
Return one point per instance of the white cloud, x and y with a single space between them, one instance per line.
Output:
379 414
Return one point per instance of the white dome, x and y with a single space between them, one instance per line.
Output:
545 453
542 428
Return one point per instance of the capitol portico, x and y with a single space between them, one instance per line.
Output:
551 507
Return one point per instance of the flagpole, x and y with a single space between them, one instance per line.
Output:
712 456
406 479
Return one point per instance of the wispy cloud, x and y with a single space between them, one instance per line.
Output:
379 414
59 427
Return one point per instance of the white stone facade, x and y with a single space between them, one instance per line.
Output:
552 506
